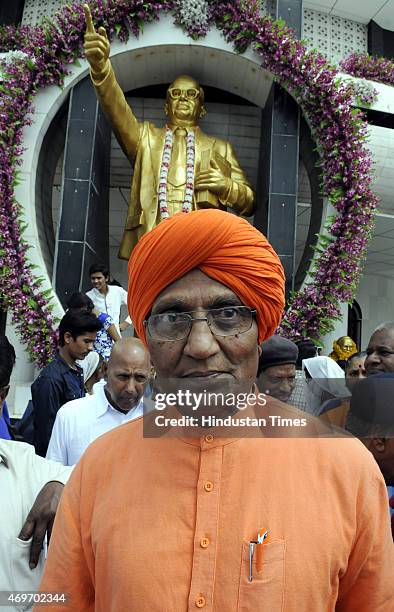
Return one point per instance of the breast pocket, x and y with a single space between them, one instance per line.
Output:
266 591
24 578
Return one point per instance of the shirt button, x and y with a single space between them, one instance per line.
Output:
209 438
204 542
200 601
208 486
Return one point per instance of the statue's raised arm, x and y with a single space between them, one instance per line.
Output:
110 95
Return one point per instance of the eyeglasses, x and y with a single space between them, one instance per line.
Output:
227 321
191 93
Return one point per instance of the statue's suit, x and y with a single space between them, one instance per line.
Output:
143 145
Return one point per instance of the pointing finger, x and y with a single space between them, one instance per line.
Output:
89 21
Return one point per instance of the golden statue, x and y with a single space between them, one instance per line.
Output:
177 167
343 348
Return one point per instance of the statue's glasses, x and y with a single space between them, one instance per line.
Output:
191 93
226 321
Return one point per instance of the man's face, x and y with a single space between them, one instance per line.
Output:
127 377
380 352
183 105
79 347
203 360
99 281
278 381
355 370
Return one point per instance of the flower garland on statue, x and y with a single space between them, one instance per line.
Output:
338 130
165 165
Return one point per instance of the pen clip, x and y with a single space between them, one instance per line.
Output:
251 553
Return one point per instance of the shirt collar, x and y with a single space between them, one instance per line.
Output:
189 128
67 366
103 405
98 293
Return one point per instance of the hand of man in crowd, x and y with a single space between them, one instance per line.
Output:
96 44
124 325
40 519
213 180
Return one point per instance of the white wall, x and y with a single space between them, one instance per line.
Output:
376 298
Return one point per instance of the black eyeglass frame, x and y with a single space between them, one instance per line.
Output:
191 319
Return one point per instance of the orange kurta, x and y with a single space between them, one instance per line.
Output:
164 524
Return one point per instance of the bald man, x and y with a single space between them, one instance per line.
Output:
81 421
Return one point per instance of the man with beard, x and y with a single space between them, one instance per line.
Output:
179 523
81 421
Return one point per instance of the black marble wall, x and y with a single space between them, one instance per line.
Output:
11 11
276 214
380 41
82 237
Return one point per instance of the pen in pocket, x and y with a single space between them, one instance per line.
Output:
257 545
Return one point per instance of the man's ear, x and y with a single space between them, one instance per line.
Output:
166 109
260 350
203 112
67 337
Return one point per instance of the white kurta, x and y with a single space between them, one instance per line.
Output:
22 476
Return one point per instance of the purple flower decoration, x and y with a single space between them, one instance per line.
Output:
369 67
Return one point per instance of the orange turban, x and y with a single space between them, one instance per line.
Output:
223 246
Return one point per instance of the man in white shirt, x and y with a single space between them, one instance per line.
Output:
81 421
30 490
107 298
25 479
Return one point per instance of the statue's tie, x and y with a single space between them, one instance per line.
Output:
177 170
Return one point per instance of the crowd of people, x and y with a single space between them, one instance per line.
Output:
257 519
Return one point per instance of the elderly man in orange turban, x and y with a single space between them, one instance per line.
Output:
241 522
